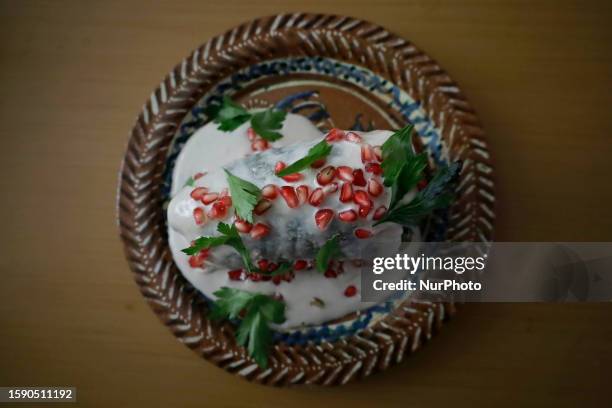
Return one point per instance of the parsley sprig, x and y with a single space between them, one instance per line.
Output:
329 250
316 152
245 196
258 312
229 115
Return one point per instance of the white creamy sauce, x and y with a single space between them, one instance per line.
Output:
210 150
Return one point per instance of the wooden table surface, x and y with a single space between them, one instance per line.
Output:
75 74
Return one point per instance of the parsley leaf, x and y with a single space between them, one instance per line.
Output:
254 330
266 123
329 250
316 152
408 177
230 115
434 196
190 182
245 196
205 243
396 151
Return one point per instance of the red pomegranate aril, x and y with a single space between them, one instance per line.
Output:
359 178
279 166
299 265
363 233
421 184
379 213
323 218
198 192
334 135
377 152
293 177
302 193
361 198
209 198
255 277
317 164
374 188
262 206
326 175
218 210
263 264
331 273
347 216
290 197
374 168
367 154
269 191
288 277
226 200
236 275
353 137
330 188
259 145
259 230
243 226
196 261
364 210
251 134
350 291
346 192
199 216
345 173
198 175
316 197
272 267
277 279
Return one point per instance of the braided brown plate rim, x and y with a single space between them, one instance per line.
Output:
140 209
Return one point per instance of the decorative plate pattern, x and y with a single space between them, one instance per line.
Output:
327 68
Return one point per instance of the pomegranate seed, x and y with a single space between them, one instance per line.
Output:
279 166
292 178
243 226
299 265
374 168
364 210
346 193
236 275
272 267
218 210
288 277
377 152
380 211
326 175
259 230
358 178
361 198
367 154
302 193
223 193
269 191
334 135
288 193
209 198
277 279
226 200
259 145
323 218
330 188
345 173
316 197
347 216
196 261
421 184
198 175
198 192
262 206
263 264
251 134
350 291
375 188
353 137
331 273
255 277
318 164
199 216
363 233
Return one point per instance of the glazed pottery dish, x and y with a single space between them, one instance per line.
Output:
270 167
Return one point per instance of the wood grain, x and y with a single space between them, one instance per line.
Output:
74 75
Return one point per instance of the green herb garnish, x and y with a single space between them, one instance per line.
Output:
190 182
259 311
316 152
329 250
396 151
229 115
245 196
267 123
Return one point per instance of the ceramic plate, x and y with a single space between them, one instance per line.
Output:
338 72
